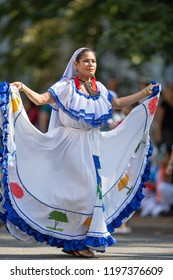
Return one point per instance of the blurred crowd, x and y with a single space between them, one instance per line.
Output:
159 189
38 115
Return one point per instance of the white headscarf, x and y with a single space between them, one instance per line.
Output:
70 70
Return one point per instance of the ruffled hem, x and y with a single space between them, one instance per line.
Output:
4 101
79 102
99 241
94 242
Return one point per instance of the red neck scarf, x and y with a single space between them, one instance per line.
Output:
92 84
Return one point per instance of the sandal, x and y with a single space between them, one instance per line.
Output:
87 253
84 253
69 252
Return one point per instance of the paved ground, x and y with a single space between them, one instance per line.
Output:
151 238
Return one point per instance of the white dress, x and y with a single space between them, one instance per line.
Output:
74 185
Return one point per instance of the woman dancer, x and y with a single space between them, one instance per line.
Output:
74 185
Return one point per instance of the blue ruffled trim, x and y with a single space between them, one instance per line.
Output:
110 96
83 94
75 244
95 242
81 114
4 101
136 201
99 241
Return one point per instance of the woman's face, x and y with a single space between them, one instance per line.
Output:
86 67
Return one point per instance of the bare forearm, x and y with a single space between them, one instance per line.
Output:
36 98
126 101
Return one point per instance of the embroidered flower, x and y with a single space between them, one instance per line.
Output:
123 182
87 221
15 104
16 190
152 105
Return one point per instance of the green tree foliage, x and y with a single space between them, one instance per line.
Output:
41 35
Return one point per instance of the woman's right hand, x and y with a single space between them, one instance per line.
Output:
18 85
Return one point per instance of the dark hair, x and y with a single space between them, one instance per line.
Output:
82 53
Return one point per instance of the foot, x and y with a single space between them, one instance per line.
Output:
87 253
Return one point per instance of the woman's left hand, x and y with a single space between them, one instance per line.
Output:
149 89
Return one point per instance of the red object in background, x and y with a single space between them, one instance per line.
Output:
33 115
151 186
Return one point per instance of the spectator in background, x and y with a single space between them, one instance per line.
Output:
32 111
159 190
165 186
169 168
113 86
44 117
164 119
114 122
